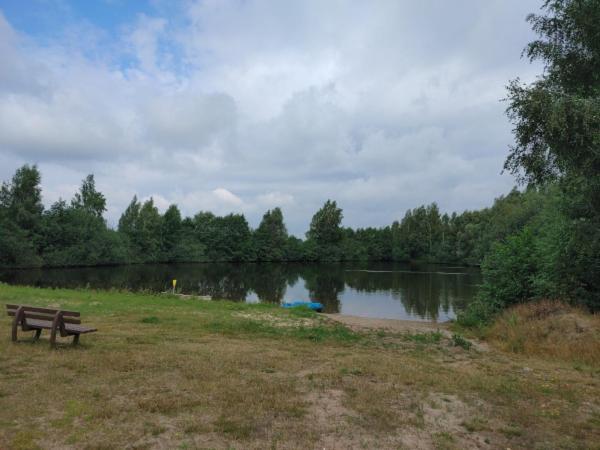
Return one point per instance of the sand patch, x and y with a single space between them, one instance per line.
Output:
278 321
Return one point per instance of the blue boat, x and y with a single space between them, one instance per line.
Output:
315 306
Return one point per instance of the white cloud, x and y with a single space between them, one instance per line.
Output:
275 199
382 106
227 197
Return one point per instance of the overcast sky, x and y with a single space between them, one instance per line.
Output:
241 106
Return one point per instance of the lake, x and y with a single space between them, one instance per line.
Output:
382 290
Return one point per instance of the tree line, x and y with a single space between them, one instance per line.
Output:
75 233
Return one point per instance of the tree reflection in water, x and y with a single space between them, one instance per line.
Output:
423 291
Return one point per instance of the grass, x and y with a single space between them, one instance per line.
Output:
162 372
549 329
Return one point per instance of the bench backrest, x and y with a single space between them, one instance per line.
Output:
35 312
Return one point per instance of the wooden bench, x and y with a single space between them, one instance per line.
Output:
32 318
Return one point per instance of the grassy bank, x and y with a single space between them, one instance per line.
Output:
169 373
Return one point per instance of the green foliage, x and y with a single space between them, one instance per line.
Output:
271 237
76 236
556 252
557 131
478 314
76 233
526 264
21 199
568 130
16 249
433 337
420 234
141 224
170 234
459 341
325 224
88 199
21 218
229 239
510 269
557 117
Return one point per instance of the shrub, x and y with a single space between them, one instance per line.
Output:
459 341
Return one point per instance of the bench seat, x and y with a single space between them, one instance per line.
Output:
69 327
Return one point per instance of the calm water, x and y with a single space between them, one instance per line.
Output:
383 290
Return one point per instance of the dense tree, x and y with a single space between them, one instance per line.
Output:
148 232
420 234
271 237
75 233
557 117
325 233
21 199
89 199
325 226
554 249
557 130
21 218
141 225
128 219
170 234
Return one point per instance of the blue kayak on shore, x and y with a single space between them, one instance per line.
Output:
315 306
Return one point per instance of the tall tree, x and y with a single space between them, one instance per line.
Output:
141 223
89 199
557 117
325 226
557 130
22 198
129 218
21 218
325 234
148 232
171 228
271 237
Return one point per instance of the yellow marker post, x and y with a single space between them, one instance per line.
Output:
174 284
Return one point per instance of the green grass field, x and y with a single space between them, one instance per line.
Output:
163 372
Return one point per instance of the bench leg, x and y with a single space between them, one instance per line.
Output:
16 321
38 332
53 337
75 339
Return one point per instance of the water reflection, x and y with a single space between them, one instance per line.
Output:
375 290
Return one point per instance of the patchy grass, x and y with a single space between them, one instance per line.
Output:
163 372
433 337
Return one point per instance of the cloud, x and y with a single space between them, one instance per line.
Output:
227 197
382 106
143 40
275 199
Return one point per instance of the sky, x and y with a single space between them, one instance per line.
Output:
245 105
